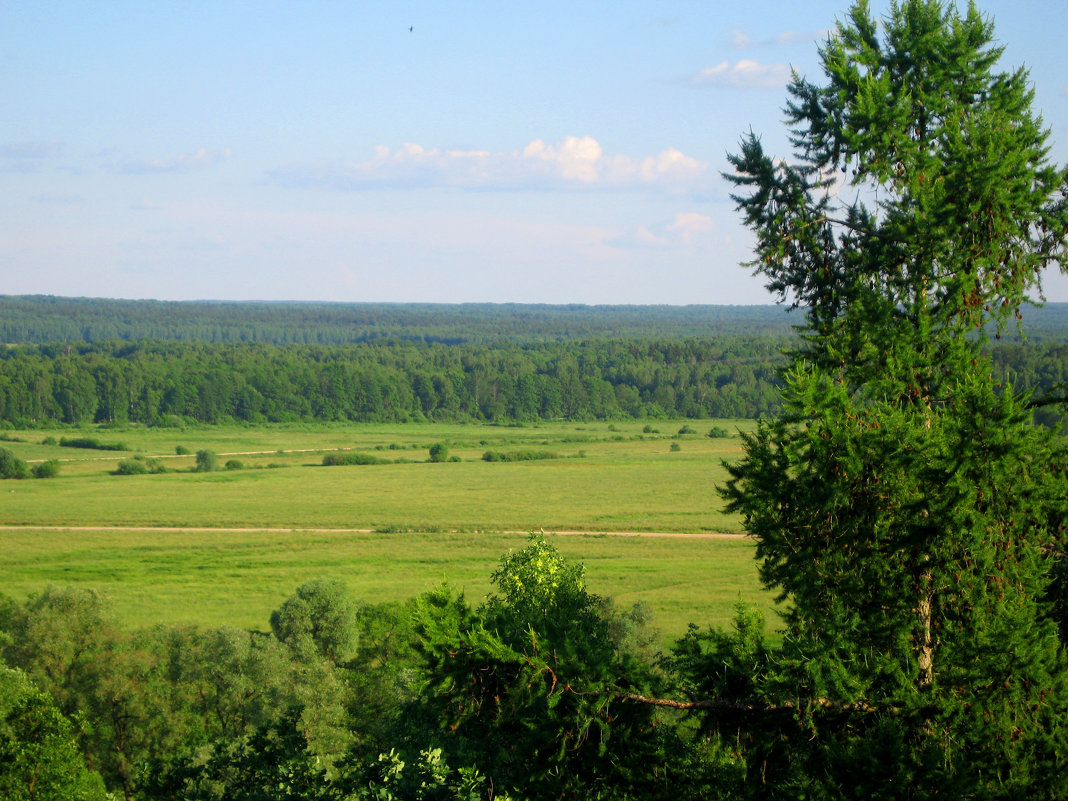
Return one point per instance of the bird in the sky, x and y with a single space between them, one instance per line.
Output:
411 28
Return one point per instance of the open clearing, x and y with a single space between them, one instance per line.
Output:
230 546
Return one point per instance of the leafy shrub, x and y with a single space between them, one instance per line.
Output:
49 440
718 432
518 456
234 464
687 429
12 466
49 469
91 443
675 446
648 429
333 459
132 467
139 465
439 452
181 450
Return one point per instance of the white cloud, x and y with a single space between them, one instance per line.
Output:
643 236
690 225
686 229
576 162
180 163
744 74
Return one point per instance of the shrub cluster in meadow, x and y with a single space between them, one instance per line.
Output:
518 456
12 466
333 459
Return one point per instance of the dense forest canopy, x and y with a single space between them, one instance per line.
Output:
157 382
41 319
104 361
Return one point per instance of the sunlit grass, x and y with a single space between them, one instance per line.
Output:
605 480
425 523
238 578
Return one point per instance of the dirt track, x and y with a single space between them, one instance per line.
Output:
251 529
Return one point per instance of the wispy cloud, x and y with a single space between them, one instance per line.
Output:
28 156
576 162
685 229
184 162
744 74
59 199
30 150
743 41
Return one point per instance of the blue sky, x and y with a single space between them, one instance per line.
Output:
551 152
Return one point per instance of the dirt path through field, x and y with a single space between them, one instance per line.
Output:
710 535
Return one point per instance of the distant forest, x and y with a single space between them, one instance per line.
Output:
40 319
77 360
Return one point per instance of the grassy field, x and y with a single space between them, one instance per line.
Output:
388 530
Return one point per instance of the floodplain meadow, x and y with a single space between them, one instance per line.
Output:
227 547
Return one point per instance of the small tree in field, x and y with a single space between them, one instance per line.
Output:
904 503
439 452
207 462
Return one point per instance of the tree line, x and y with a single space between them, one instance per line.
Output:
44 319
397 380
38 319
158 382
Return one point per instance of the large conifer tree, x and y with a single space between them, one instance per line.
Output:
905 505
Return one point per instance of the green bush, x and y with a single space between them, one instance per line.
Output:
91 443
675 446
439 452
49 469
334 459
718 432
518 456
132 467
181 450
12 466
234 464
207 462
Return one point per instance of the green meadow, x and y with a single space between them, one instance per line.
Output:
229 546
